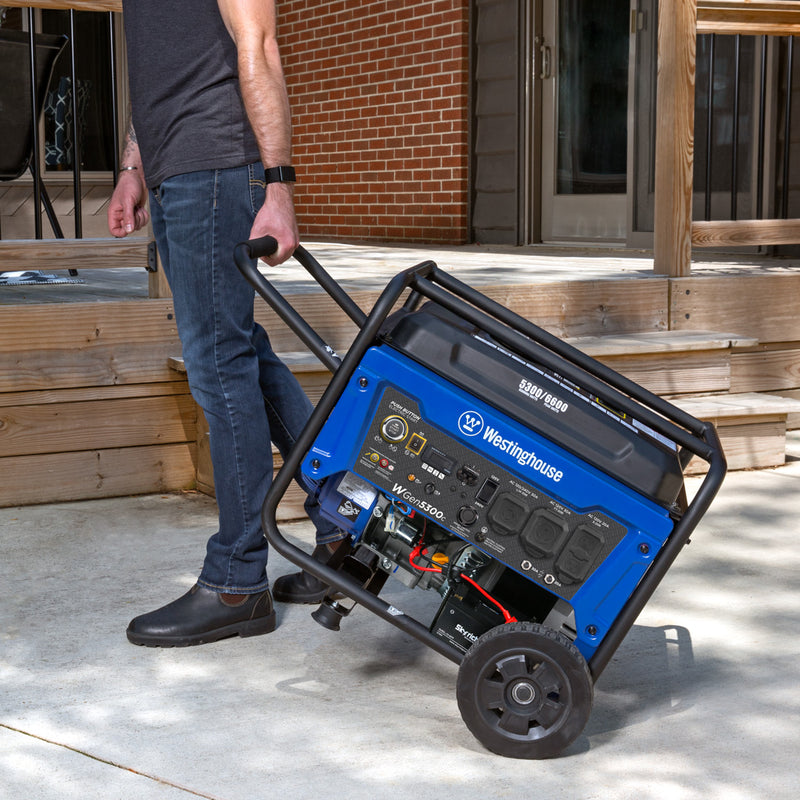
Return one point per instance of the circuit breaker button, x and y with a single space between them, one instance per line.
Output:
507 515
416 443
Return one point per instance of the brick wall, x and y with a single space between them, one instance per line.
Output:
379 107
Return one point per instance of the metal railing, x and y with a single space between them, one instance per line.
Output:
86 253
752 68
36 160
679 22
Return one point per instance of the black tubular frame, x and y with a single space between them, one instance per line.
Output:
526 340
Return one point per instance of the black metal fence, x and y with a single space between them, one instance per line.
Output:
66 119
743 126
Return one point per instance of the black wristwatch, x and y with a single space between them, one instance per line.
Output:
280 175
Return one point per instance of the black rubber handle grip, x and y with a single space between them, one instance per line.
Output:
263 247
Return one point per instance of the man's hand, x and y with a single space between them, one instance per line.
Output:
276 218
126 211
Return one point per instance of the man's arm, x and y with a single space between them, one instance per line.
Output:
252 26
127 211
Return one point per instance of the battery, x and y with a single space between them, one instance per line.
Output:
461 623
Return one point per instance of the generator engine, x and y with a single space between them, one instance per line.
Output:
475 591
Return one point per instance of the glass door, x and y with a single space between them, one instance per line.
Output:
583 64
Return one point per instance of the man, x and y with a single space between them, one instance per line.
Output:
211 140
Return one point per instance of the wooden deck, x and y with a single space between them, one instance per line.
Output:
17 205
91 406
361 267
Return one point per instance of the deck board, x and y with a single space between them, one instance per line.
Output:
360 267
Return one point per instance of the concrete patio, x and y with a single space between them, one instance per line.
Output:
701 700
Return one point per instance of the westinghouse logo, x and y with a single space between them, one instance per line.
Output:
470 423
523 457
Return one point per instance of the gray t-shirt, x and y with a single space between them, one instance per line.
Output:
187 106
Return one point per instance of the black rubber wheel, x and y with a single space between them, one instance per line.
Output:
524 691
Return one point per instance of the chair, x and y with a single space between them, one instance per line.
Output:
16 124
59 148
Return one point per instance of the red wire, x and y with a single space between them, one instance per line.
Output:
506 616
415 553
418 551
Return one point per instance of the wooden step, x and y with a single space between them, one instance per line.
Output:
133 252
678 364
311 375
751 427
793 419
665 362
97 441
298 361
80 254
61 358
648 342
669 362
773 369
88 407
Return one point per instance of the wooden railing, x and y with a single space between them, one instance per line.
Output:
679 22
76 5
748 17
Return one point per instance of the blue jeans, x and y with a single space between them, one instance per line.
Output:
248 395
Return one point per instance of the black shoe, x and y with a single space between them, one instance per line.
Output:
202 616
301 587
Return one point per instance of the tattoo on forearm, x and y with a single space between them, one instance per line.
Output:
131 148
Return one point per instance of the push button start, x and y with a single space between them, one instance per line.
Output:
394 429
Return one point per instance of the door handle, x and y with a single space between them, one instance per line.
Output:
546 55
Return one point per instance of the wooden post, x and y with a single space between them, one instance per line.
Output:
672 241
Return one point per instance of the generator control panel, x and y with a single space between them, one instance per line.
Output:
515 521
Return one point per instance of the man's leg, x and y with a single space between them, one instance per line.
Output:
198 219
288 410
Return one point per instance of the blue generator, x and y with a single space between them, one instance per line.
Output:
535 494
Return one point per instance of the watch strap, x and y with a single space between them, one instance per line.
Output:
280 175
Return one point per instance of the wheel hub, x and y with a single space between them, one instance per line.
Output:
523 693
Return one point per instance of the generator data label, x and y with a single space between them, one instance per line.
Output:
358 490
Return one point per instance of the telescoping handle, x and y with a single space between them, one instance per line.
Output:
245 255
